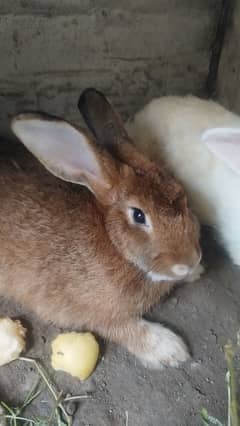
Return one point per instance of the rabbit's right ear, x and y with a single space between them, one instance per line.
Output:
224 142
67 152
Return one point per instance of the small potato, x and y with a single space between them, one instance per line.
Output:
12 340
75 353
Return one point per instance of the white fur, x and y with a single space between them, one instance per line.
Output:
171 128
162 348
180 269
193 276
156 277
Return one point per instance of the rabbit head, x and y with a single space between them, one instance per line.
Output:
144 209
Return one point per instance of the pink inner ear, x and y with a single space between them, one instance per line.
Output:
225 144
64 150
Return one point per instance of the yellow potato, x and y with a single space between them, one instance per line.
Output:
75 353
12 340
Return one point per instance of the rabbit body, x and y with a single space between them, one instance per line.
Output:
92 257
170 129
57 257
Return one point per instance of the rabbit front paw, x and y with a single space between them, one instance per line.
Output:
162 348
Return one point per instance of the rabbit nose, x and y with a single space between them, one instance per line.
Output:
181 269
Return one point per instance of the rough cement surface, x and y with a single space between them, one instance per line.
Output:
131 49
206 313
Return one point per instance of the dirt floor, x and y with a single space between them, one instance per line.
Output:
206 313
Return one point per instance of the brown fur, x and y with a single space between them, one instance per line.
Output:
71 258
57 258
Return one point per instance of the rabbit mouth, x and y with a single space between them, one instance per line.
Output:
157 277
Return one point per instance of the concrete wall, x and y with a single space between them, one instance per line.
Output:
131 49
229 69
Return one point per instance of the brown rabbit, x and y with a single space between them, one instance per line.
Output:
101 256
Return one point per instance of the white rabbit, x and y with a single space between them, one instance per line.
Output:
200 142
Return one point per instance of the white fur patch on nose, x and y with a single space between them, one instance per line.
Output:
180 269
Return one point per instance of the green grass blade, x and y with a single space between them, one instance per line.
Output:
209 420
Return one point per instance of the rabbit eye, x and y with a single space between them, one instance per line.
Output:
138 216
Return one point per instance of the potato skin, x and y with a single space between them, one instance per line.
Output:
75 353
12 340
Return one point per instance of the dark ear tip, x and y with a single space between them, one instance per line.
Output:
89 95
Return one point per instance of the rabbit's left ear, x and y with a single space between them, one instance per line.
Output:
99 115
224 142
108 128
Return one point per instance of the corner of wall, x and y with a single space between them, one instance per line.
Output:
228 80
